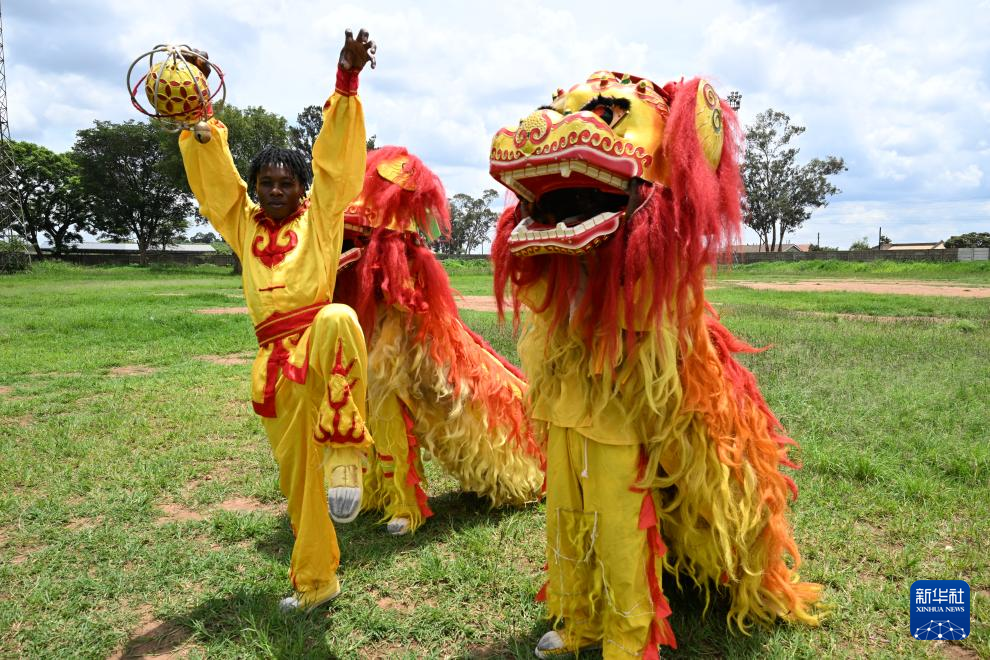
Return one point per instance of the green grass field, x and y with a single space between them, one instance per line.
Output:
140 512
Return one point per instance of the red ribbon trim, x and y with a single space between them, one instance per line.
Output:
273 330
660 630
412 477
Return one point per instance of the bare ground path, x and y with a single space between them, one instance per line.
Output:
862 286
897 287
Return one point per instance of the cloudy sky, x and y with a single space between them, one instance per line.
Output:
900 90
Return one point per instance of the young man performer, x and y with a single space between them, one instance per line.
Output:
662 455
309 377
433 384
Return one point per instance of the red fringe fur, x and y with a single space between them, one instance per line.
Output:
397 270
392 201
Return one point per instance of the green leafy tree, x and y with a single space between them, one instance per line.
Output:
52 197
221 247
861 244
821 248
780 194
471 218
124 173
204 237
308 125
251 130
970 240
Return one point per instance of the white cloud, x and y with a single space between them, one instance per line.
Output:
900 90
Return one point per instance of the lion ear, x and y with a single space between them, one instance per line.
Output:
708 122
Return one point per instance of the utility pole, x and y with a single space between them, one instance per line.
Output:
11 213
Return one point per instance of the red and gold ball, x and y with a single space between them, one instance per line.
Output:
177 91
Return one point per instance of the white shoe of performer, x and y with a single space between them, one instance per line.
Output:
398 526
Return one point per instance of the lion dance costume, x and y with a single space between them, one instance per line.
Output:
433 384
662 455
308 380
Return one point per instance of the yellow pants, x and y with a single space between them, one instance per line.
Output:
337 357
597 553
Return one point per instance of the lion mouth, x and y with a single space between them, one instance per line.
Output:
572 175
574 219
352 247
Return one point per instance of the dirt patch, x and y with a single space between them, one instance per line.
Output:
236 358
477 303
195 483
132 370
860 286
153 638
957 652
77 524
390 604
24 421
177 513
388 651
233 408
25 553
5 390
877 319
222 310
247 505
491 652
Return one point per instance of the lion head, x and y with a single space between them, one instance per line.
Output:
575 162
402 196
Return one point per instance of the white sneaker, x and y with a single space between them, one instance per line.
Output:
398 526
345 488
553 645
307 601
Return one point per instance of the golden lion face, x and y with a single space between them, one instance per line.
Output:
572 162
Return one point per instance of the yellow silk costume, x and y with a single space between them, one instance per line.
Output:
309 377
662 455
433 384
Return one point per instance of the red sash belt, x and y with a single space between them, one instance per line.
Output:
272 331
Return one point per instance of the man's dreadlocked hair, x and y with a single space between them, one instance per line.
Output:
291 158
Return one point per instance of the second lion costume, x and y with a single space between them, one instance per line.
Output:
433 384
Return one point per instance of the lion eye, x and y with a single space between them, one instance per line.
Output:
609 112
603 111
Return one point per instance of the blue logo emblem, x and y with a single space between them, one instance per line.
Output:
939 609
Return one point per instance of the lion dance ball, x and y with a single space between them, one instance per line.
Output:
177 91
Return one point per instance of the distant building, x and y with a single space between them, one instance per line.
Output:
92 247
910 246
759 247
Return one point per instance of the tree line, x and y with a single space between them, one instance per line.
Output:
125 182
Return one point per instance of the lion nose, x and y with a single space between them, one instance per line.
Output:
534 129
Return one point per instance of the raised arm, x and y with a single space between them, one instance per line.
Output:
218 187
340 149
